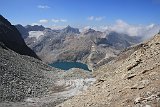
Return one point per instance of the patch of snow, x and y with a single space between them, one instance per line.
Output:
36 34
72 87
76 86
29 100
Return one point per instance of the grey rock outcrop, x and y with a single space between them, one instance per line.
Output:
69 29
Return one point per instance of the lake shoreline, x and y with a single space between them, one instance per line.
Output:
66 65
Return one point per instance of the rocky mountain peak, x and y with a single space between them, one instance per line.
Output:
4 21
70 29
91 32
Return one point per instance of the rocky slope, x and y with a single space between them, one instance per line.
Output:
132 80
29 82
22 76
12 39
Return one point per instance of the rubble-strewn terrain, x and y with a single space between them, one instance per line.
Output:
26 81
29 82
132 80
23 76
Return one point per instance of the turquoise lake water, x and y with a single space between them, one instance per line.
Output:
69 65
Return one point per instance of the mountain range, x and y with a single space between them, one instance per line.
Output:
69 44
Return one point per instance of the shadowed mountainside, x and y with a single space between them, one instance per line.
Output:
12 39
22 30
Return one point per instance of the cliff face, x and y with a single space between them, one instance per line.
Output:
133 80
12 39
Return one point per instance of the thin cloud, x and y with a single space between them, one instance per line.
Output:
93 18
58 20
43 7
90 18
99 18
57 27
55 20
35 24
43 21
63 20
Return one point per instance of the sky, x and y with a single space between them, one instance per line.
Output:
129 16
80 12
